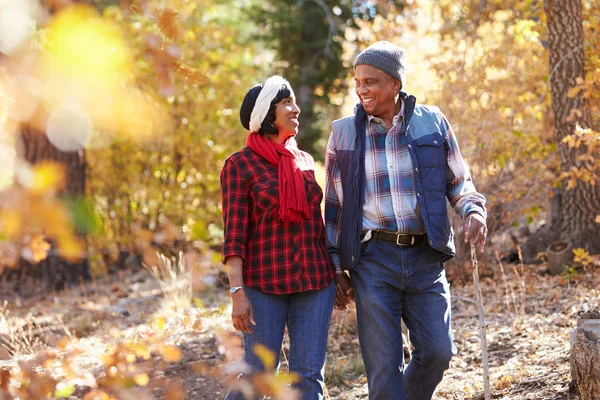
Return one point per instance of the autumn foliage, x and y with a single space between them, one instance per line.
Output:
148 92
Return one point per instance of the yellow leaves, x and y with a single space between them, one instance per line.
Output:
10 223
268 382
48 177
587 169
70 248
582 257
574 114
79 41
265 355
598 219
160 323
142 350
33 217
84 80
63 391
574 91
141 379
96 395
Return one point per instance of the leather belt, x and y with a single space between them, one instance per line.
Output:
400 239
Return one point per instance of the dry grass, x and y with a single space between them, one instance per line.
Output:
174 278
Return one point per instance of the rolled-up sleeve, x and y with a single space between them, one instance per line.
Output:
333 202
460 190
234 191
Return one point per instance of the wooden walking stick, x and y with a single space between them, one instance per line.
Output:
482 328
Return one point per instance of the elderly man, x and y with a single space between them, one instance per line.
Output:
390 168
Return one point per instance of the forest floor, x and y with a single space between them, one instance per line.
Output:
131 336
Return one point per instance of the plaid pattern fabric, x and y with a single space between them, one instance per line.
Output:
278 257
389 169
390 196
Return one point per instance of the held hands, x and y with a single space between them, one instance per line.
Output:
475 231
344 293
242 315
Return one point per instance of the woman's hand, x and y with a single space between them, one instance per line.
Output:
344 293
241 312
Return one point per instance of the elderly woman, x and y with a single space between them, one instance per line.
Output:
274 250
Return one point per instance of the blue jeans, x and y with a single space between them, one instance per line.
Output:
390 283
307 316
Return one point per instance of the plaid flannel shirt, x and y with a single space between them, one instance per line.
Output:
278 257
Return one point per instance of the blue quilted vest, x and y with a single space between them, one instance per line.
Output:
425 134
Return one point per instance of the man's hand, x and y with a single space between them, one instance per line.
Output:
241 312
344 293
475 231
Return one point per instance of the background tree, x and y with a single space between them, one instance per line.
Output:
310 39
55 271
163 191
579 200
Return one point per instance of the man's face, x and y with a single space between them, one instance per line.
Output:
376 90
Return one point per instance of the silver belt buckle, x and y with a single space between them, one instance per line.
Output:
412 240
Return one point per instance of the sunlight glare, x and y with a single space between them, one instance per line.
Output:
69 127
8 157
15 24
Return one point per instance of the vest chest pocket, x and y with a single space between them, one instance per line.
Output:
431 150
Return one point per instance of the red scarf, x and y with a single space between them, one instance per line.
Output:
293 206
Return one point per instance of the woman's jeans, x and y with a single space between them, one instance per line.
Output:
392 283
307 316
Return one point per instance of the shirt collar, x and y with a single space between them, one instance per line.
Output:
397 118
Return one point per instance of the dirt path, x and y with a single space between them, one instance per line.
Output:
529 324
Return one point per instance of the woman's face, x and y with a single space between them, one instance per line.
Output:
286 118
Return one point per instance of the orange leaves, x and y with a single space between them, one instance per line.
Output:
169 353
33 217
165 52
174 391
4 381
37 249
586 144
168 24
269 382
122 369
504 381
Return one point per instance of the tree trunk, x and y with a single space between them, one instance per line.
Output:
585 357
579 205
53 272
306 76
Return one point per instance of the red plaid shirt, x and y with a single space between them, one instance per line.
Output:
278 257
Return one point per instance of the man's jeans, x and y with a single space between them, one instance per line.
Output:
307 316
390 283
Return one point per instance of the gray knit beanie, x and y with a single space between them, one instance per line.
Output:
385 56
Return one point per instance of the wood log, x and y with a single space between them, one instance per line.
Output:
585 357
560 255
